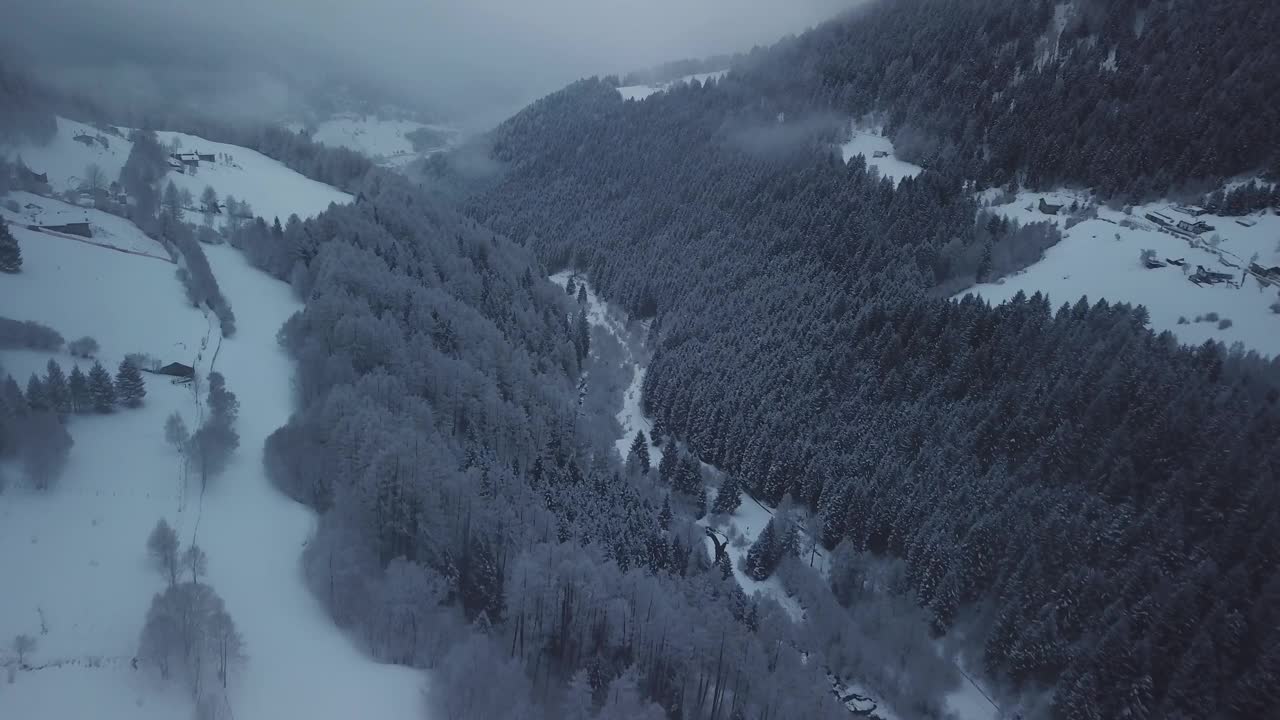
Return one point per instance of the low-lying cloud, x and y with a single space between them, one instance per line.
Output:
477 58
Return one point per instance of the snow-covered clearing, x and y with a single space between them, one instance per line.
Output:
272 189
300 664
1099 258
76 555
108 230
640 92
379 139
877 150
64 159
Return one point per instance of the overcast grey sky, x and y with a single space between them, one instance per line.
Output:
475 55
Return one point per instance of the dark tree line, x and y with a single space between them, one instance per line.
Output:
1133 98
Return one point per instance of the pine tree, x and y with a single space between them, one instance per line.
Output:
726 567
669 465
729 497
10 252
763 556
639 453
570 287
78 388
129 385
37 397
582 336
688 476
700 511
582 294
664 517
56 389
101 389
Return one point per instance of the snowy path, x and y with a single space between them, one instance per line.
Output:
966 702
300 665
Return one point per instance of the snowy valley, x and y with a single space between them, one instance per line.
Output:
80 549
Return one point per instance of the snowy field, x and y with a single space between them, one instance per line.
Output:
108 230
383 141
74 558
868 144
64 159
640 92
76 555
1099 259
272 189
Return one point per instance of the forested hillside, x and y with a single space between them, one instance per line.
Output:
1132 97
1095 503
472 519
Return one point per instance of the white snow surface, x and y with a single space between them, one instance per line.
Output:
273 190
640 92
867 143
109 231
64 159
1099 259
77 553
379 139
300 664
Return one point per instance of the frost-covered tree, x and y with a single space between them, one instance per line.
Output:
175 431
582 294
37 396
23 645
700 504
44 447
189 633
729 496
638 455
577 703
101 389
664 515
10 251
85 347
195 561
570 287
214 442
130 388
162 547
78 389
764 554
56 388
669 465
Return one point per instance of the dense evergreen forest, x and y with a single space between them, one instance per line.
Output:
1132 97
1096 504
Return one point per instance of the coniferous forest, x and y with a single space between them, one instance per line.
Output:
1085 508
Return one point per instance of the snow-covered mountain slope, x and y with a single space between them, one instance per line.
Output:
108 230
877 150
271 188
75 556
64 159
1100 259
640 92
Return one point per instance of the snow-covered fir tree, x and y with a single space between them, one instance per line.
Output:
101 389
130 388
